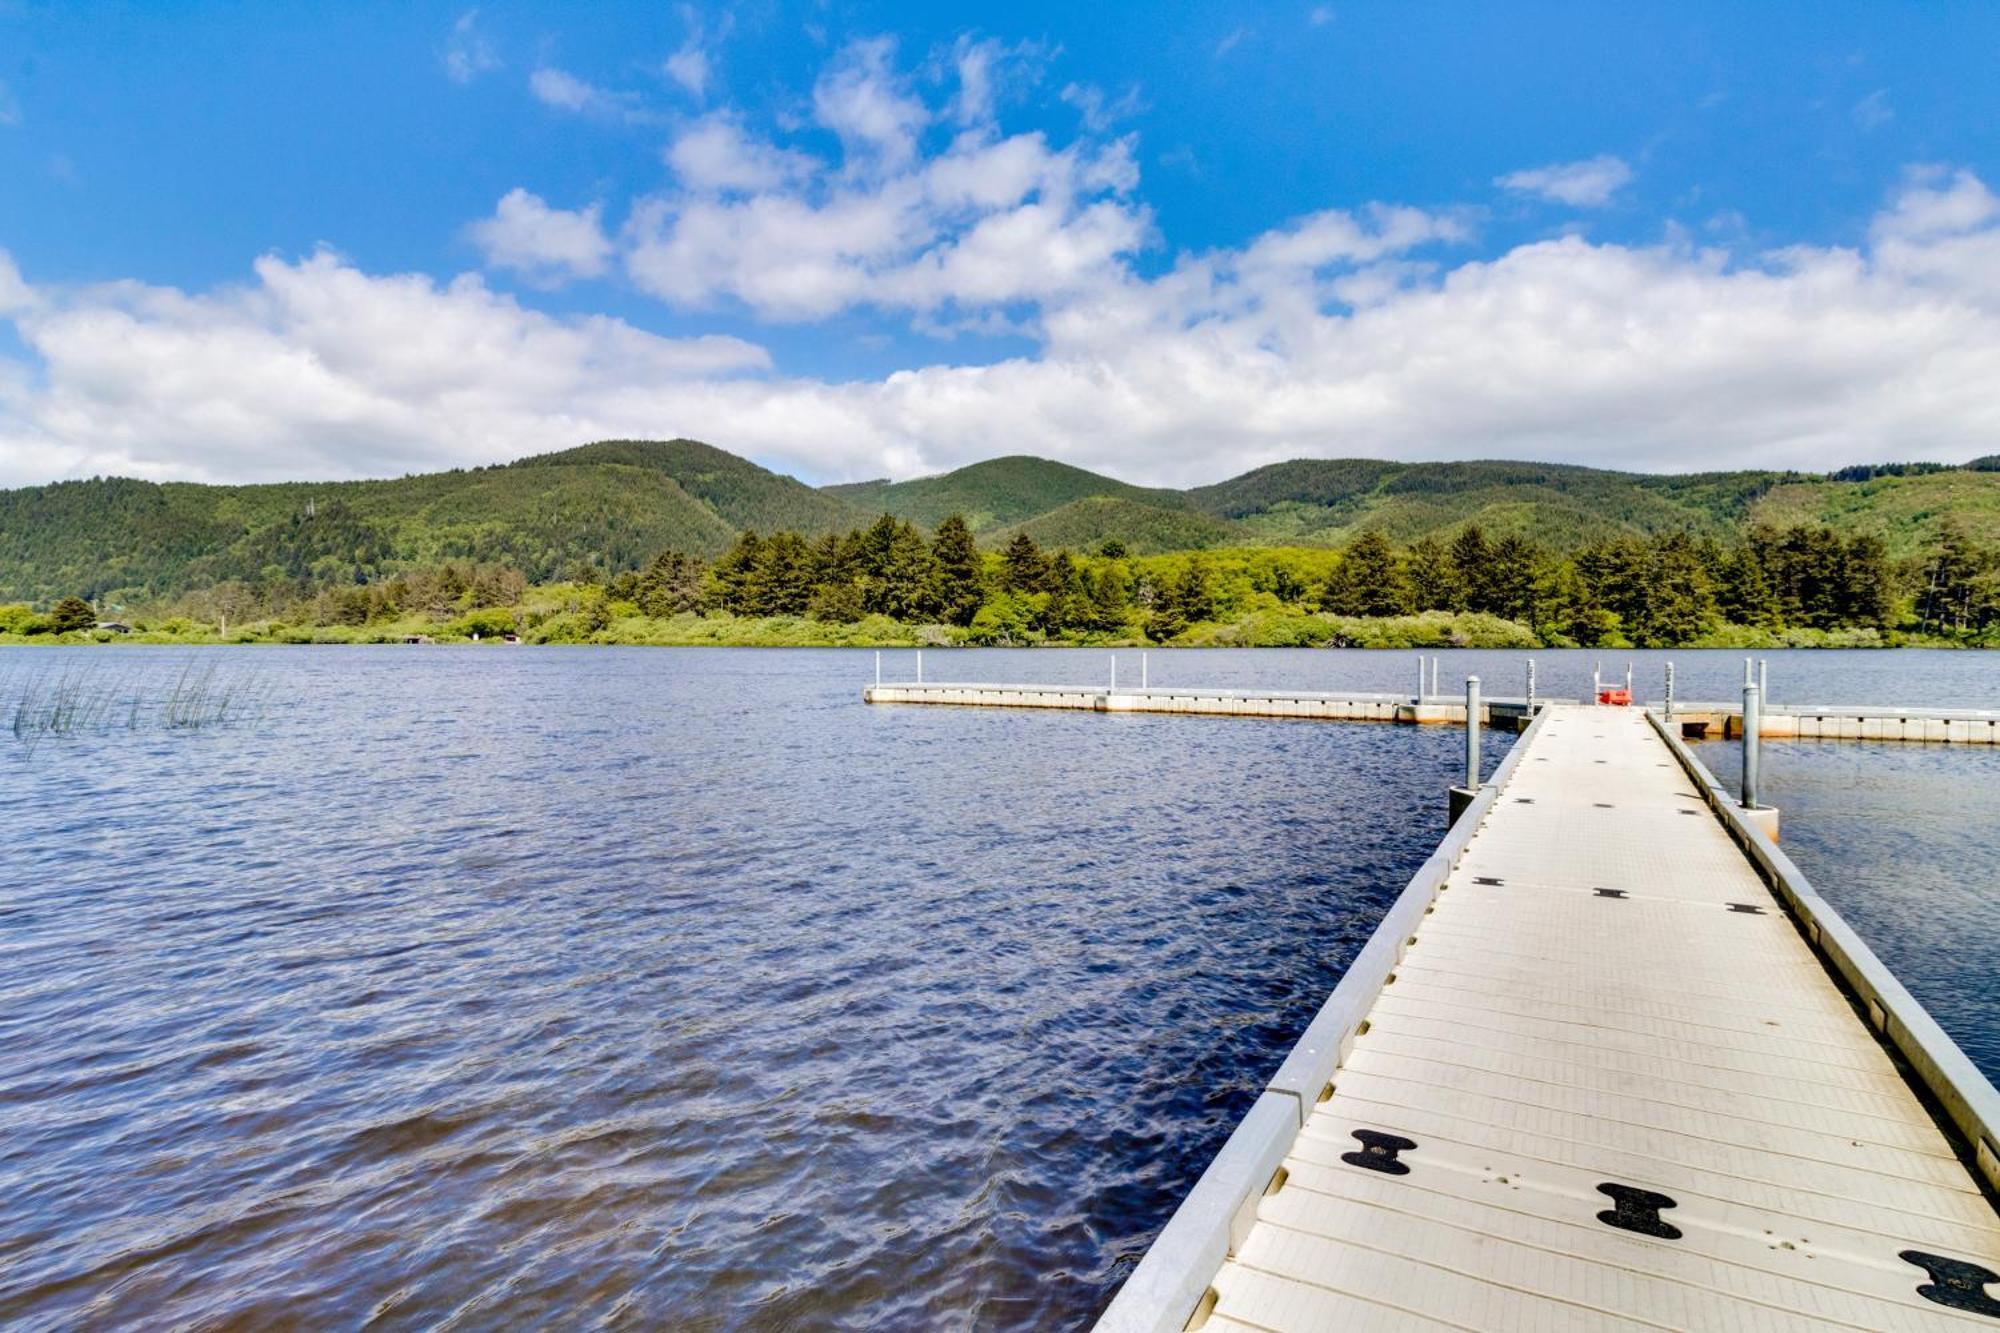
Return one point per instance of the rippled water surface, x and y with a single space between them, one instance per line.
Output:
488 987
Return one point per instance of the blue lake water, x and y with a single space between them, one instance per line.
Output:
485 987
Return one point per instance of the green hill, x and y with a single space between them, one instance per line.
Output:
998 493
618 502
1145 529
742 494
1906 512
1328 502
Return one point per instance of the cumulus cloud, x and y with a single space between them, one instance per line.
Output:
1355 331
547 245
865 101
1590 183
715 155
1329 336
1873 111
468 52
319 370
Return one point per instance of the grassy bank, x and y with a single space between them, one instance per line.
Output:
551 617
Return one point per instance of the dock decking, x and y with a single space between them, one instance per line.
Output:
1607 1064
1960 726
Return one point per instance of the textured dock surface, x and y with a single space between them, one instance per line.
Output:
1883 722
1610 1086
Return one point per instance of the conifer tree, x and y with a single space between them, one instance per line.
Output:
1469 560
957 582
1022 568
1432 578
1367 581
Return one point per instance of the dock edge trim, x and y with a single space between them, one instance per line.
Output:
1944 1073
1163 1292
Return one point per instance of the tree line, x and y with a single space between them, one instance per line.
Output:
1671 588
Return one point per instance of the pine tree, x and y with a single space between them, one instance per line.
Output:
71 613
1510 584
957 580
1109 603
786 576
1676 604
1471 561
1022 568
1742 593
735 572
1432 578
1367 581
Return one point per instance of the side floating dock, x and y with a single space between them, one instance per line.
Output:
1608 1063
1962 726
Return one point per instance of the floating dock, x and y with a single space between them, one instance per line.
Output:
1960 726
1608 1063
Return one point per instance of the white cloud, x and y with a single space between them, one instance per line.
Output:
319 370
1873 111
807 241
10 106
564 91
1324 337
1230 42
714 154
1098 112
468 52
689 68
546 244
1587 184
1320 16
862 99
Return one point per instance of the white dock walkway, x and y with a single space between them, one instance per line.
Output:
1608 1084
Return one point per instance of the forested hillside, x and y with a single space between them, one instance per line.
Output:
600 509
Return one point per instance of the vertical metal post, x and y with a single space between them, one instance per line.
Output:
1142 671
1531 687
1628 680
1747 676
1670 689
1114 671
1763 681
1596 681
920 666
1472 733
1434 675
1420 677
1752 724
878 666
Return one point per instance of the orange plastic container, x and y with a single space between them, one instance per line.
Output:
1618 695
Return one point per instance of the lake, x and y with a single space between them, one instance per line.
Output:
482 987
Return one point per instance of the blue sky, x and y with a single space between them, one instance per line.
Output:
248 241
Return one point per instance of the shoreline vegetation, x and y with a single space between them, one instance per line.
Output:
891 585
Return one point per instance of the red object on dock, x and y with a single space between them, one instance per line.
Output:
1618 695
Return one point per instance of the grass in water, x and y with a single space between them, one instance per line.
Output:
81 699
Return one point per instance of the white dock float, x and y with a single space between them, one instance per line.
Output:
1608 1063
1881 722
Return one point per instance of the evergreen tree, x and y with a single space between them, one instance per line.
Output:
895 569
785 578
1367 581
71 613
1432 578
957 581
1022 568
735 572
1863 583
1109 603
670 585
1742 593
1510 583
1470 561
1675 603
1066 607
1192 596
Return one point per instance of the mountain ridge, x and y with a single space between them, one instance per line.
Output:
612 504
